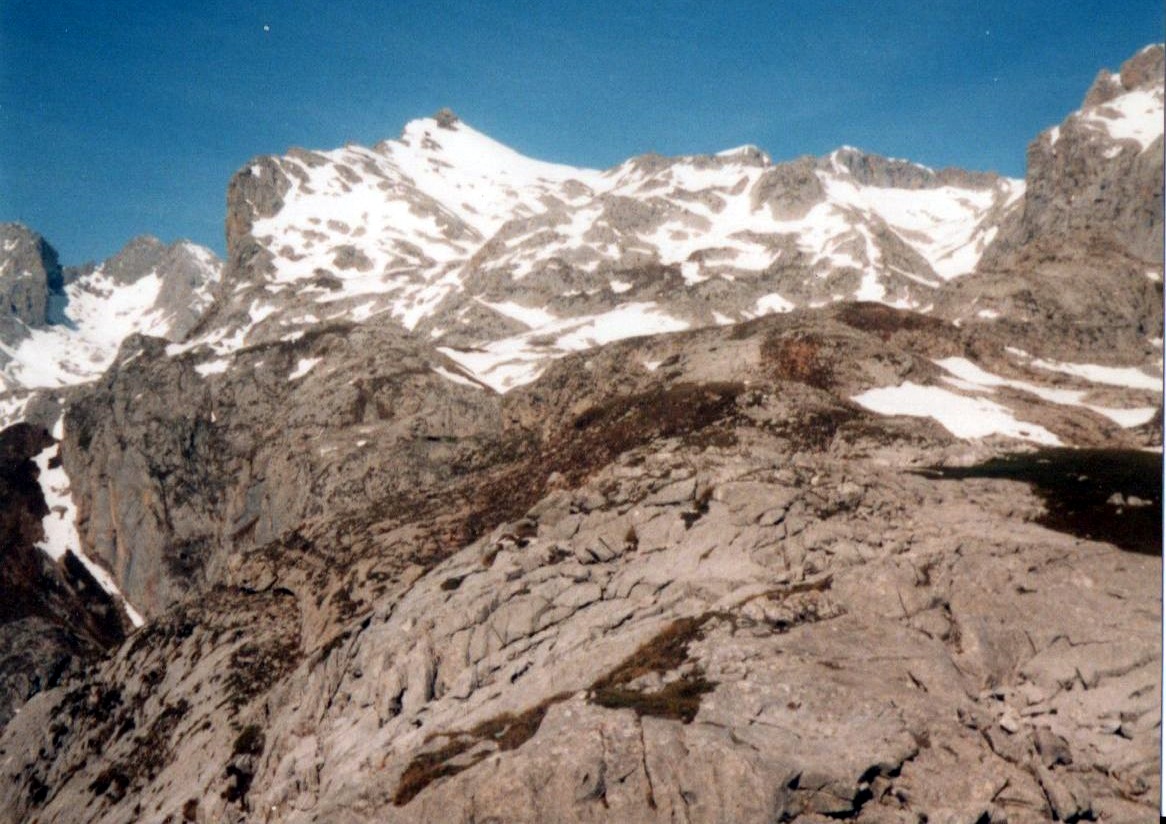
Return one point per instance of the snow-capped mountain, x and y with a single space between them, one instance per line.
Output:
75 319
795 560
479 248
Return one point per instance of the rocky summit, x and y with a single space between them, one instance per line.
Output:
471 487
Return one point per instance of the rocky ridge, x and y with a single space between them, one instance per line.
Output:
54 615
642 586
71 320
30 275
1078 261
462 240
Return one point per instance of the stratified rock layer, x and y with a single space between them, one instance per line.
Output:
713 588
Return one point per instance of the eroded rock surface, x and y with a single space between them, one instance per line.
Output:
715 589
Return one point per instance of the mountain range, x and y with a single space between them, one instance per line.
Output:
470 487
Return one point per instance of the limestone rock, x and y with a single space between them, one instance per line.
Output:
30 274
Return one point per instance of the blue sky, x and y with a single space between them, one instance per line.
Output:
129 117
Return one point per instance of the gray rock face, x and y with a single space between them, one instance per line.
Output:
790 190
54 618
193 464
1082 252
136 259
886 172
29 274
715 588
254 192
187 274
1086 189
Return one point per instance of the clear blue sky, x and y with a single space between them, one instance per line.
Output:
129 117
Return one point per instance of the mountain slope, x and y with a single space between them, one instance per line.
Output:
603 595
465 241
70 331
1077 265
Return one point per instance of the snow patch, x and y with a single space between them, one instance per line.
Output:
454 377
1135 115
213 367
515 361
771 304
964 417
970 376
302 368
690 271
1128 376
627 321
531 316
61 530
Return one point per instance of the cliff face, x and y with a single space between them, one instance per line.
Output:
54 617
1094 183
29 274
178 462
1077 264
671 564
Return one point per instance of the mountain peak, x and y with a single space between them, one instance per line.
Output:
378 590
748 153
1145 69
446 119
870 169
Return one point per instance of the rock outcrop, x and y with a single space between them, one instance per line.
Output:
713 588
1082 252
30 275
86 311
1095 181
178 460
54 617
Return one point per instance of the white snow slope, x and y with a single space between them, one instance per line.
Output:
445 220
98 314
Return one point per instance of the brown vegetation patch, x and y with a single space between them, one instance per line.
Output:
255 667
595 439
500 482
506 732
667 652
797 358
815 429
152 752
885 321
